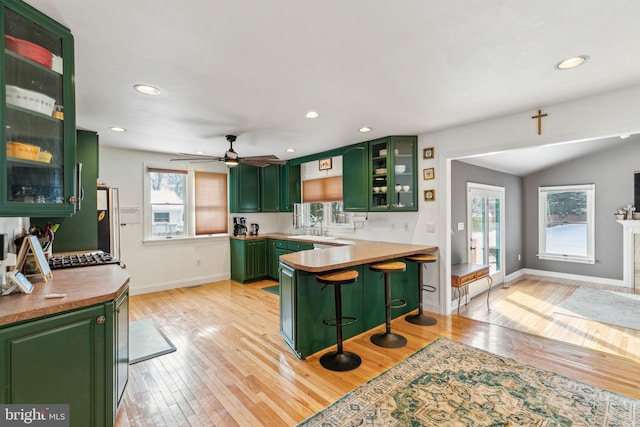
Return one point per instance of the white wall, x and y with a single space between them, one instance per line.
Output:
159 265
13 227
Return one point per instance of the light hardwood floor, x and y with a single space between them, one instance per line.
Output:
232 367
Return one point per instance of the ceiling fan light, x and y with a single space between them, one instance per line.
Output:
231 162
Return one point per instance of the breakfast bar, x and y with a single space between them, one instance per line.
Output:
304 302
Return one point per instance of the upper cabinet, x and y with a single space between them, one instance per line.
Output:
393 166
38 156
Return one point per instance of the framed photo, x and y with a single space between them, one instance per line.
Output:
324 164
429 195
427 153
428 173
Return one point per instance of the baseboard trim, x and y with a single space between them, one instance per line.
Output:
566 276
175 284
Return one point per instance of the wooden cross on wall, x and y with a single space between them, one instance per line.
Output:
539 116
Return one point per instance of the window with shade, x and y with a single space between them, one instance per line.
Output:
322 202
181 203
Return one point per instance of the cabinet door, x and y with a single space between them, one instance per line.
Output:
60 360
290 183
355 178
121 333
260 259
287 305
38 141
403 151
380 178
270 188
245 188
239 258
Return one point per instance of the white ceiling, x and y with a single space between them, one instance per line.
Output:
255 67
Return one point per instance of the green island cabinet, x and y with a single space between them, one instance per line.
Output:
304 303
37 120
280 247
73 358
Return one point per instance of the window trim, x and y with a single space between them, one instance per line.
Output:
590 190
189 171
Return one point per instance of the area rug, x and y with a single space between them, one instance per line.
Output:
448 383
273 289
146 341
614 308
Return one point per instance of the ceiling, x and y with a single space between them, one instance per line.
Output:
255 67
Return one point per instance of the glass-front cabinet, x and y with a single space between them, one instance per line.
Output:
393 174
38 114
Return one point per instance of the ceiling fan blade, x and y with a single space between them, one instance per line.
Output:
196 157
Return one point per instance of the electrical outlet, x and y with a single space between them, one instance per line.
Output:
431 228
519 257
198 262
460 226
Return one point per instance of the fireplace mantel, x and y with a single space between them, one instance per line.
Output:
629 228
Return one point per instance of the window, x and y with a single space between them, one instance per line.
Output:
329 214
567 223
185 203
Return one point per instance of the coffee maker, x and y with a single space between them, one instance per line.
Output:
239 226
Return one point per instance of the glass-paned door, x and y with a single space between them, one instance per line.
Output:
485 225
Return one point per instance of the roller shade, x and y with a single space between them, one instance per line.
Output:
322 190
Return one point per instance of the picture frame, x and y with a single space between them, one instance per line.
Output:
428 153
18 282
325 164
428 174
429 195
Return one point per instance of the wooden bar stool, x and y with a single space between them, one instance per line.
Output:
388 339
422 319
339 360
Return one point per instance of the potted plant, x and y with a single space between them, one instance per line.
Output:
620 213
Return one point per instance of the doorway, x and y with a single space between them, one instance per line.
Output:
485 228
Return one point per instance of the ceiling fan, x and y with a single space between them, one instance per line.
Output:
231 158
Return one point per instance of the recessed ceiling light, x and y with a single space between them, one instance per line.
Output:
290 150
572 62
364 129
312 115
625 136
117 129
147 89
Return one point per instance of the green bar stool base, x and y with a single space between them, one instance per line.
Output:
388 340
421 319
341 362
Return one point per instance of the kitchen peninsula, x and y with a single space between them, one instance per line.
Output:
68 350
304 302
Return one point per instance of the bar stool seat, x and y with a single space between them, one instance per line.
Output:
387 338
420 318
339 360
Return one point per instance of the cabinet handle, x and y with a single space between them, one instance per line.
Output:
100 320
73 199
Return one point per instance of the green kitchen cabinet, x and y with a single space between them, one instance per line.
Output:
37 156
288 305
79 232
254 189
68 358
270 189
393 172
248 259
278 248
244 181
290 187
356 185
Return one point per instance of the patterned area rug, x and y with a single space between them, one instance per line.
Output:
448 383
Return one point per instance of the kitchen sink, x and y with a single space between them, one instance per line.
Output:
316 238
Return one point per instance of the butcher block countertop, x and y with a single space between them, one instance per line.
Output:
84 286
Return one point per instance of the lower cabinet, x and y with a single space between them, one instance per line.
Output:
67 358
280 247
248 259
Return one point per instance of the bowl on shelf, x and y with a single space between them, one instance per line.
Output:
400 168
383 189
406 188
18 150
30 100
398 188
29 50
376 189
